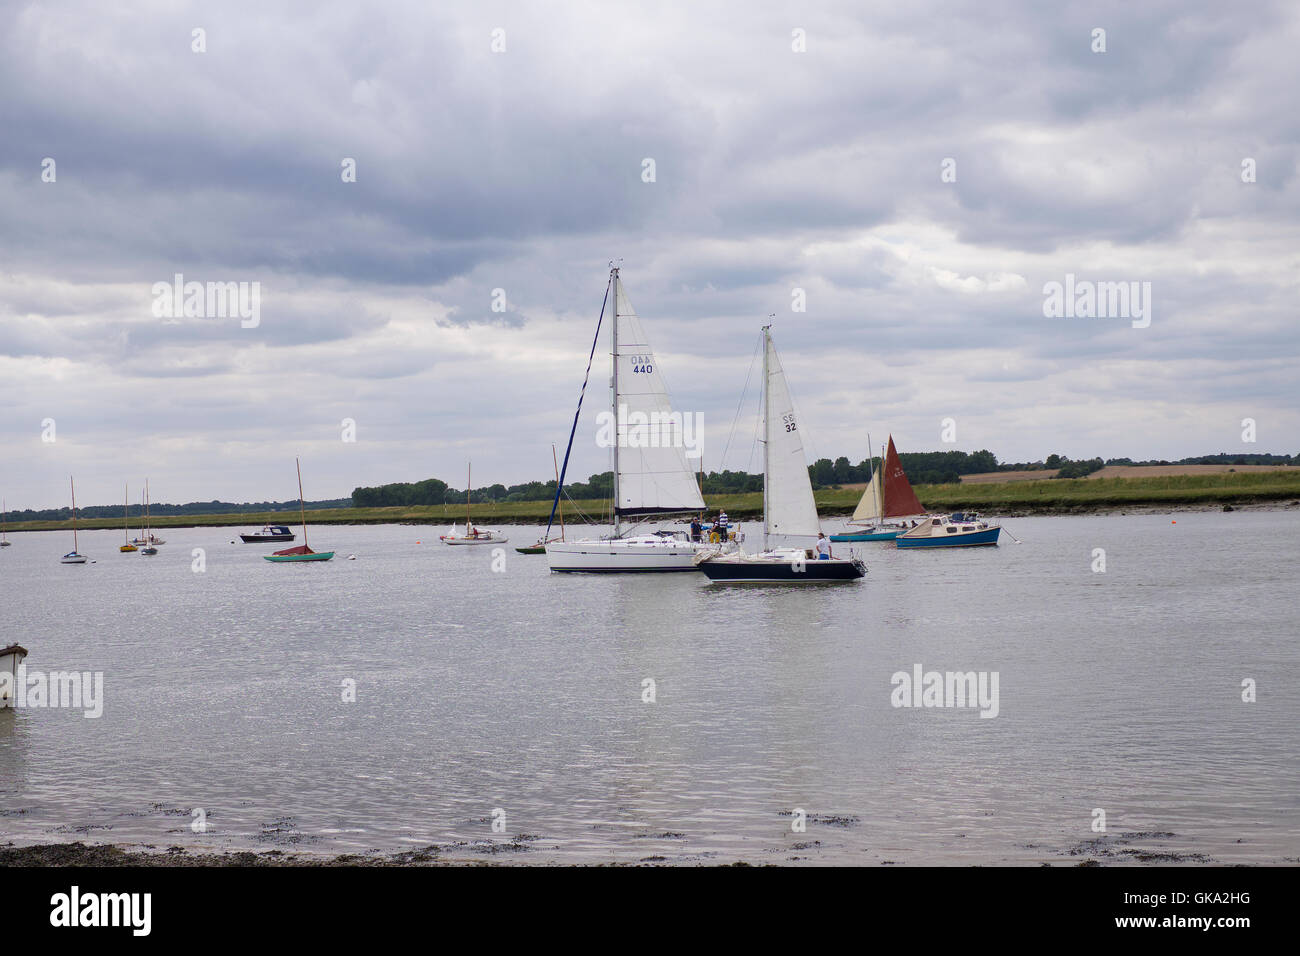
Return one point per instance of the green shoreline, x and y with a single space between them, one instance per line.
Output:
1011 498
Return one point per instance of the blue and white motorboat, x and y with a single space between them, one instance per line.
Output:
957 530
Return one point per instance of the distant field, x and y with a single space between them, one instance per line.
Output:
1122 471
1064 495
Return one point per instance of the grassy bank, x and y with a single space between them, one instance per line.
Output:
1054 496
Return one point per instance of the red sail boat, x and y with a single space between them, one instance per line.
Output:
302 552
889 495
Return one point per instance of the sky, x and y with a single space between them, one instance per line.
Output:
913 175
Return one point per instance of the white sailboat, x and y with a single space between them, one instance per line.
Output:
147 537
4 542
790 523
648 481
148 541
73 557
472 534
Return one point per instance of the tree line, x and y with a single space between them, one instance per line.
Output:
921 468
135 512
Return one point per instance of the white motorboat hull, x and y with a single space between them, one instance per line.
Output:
643 554
10 659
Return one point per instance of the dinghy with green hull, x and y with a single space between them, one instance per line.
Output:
302 552
543 541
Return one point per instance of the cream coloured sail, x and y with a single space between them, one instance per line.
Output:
868 510
791 511
654 475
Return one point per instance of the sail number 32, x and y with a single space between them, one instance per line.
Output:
789 422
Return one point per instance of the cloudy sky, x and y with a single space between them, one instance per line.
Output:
794 147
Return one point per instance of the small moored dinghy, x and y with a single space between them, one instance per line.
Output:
543 541
73 557
302 552
472 534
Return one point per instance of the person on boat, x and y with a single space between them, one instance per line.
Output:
722 526
823 547
715 532
696 528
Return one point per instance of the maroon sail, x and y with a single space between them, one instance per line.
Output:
900 499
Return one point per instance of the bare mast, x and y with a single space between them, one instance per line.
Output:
616 284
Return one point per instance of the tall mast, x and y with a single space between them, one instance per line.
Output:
616 284
74 514
302 508
556 462
469 483
767 343
126 528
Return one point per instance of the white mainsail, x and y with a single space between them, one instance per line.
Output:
653 473
791 511
868 510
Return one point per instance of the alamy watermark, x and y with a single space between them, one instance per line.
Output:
66 689
1085 299
650 430
923 688
208 300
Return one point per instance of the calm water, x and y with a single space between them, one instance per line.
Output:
521 690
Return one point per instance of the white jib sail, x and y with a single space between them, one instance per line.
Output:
791 511
868 509
654 473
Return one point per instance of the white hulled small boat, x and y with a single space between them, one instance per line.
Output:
790 524
472 534
148 542
10 659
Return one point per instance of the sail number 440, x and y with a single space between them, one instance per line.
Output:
642 363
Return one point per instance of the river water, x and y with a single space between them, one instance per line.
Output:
506 693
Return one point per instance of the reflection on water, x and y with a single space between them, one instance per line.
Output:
522 691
